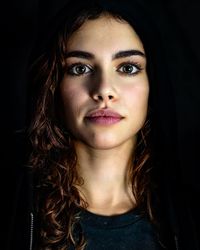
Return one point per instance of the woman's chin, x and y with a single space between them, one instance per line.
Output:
104 142
103 146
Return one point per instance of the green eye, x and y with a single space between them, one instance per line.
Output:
129 68
78 69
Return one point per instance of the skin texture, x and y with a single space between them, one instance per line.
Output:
105 150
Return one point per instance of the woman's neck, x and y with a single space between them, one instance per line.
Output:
106 188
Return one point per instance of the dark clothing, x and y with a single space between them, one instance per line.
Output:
128 231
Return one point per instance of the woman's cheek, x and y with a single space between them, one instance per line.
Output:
136 100
71 91
135 92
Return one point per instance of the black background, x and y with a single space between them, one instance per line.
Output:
20 23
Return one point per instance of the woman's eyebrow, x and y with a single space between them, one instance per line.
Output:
119 54
79 54
127 53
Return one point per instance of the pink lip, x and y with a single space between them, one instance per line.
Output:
103 117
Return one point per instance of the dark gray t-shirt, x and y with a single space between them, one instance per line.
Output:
128 231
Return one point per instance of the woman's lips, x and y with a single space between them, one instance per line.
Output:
103 117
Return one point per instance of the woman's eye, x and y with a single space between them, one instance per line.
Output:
129 69
79 69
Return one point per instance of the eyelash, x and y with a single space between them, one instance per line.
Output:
137 66
131 63
72 66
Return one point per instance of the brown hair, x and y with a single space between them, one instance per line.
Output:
53 156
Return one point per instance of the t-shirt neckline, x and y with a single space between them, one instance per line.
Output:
114 221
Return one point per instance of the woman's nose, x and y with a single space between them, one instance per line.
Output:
104 90
104 97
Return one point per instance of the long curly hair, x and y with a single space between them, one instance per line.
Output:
53 157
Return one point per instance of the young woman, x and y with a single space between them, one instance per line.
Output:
93 154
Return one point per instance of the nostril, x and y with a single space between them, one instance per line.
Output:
103 97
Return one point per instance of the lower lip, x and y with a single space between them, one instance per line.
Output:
104 120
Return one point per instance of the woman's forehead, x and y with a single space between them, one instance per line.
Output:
105 32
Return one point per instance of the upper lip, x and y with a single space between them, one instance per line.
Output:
103 112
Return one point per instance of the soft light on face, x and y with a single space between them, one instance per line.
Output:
105 74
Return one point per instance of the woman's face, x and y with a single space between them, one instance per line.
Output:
105 87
